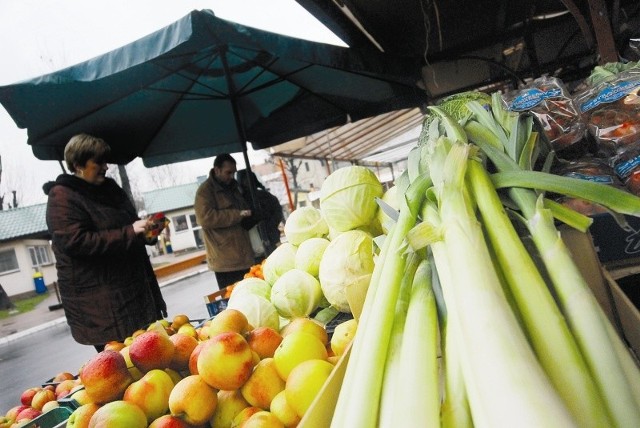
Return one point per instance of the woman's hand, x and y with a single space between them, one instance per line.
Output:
140 226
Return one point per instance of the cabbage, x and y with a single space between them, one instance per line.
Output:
254 286
258 310
348 260
347 198
296 294
281 260
309 254
305 223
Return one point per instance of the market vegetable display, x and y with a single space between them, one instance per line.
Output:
517 341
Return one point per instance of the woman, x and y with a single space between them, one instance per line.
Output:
106 281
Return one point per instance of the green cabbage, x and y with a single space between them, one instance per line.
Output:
296 294
279 261
305 223
309 254
258 310
348 260
347 198
254 286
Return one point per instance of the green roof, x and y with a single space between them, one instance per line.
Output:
30 221
23 222
171 198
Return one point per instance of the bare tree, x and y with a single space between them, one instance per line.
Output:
165 176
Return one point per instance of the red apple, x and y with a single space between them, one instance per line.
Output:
151 350
184 346
27 395
28 414
264 341
12 413
151 393
193 358
65 387
225 361
169 421
63 376
105 377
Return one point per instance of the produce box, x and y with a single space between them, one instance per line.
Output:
216 302
54 418
614 245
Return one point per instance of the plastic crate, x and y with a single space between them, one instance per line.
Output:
54 418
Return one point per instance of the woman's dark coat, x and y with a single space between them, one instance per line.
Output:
106 281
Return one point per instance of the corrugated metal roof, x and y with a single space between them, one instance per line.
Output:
23 222
171 198
386 138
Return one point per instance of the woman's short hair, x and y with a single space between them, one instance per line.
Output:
82 148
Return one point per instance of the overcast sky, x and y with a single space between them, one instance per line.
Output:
41 36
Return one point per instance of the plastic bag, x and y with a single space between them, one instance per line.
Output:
549 101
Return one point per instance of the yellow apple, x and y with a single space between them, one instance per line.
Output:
225 361
184 345
81 396
343 335
264 340
82 415
228 320
179 320
283 411
63 376
304 383
296 347
230 403
189 330
105 376
307 325
42 397
114 345
263 419
174 375
243 416
151 393
64 387
50 405
263 384
118 414
152 349
193 400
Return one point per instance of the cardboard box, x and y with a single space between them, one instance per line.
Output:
615 245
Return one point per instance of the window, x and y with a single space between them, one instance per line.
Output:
39 255
180 223
8 261
306 166
193 220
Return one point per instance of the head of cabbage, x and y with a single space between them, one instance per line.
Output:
305 223
309 255
346 262
296 294
348 198
279 261
253 286
260 312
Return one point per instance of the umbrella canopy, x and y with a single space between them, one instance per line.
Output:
203 86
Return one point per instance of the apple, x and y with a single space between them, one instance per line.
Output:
12 413
27 396
151 350
244 416
105 377
174 375
118 414
184 346
193 400
63 376
230 403
81 416
264 340
41 398
50 405
263 419
29 414
80 396
283 411
304 383
114 345
65 387
228 320
188 330
168 421
5 422
178 321
225 361
151 393
193 358
136 374
296 347
263 384
307 325
343 335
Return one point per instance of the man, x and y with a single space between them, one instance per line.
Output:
220 210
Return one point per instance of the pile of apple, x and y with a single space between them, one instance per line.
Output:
224 373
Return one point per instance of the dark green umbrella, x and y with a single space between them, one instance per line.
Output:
203 86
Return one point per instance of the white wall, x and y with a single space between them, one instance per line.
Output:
184 239
21 281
